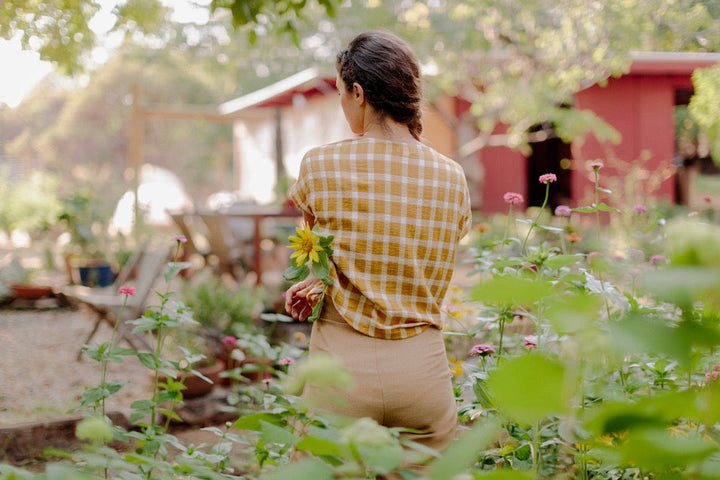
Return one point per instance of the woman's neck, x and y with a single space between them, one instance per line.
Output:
388 129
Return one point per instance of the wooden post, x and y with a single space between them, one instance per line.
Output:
136 143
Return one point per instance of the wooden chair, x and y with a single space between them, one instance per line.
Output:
228 250
182 221
107 302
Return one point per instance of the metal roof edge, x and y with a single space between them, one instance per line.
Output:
258 96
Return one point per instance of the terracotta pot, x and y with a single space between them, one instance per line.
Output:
30 292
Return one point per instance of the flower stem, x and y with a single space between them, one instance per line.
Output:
507 228
537 217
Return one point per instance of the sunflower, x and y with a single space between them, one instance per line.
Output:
305 245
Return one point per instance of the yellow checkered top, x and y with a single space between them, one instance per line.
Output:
397 212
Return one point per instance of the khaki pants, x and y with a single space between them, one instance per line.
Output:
398 383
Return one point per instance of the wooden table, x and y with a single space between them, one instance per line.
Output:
258 213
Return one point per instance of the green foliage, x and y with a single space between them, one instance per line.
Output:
31 204
704 105
216 306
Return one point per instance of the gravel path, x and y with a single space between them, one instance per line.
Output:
39 375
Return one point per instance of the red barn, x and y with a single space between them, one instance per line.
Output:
641 106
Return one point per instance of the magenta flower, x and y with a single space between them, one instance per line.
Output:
639 209
707 198
547 178
513 198
179 238
657 259
530 342
286 361
229 340
127 290
482 350
596 165
563 211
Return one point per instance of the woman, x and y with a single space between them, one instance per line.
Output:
397 210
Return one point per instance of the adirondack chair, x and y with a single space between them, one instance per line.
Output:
229 251
107 302
183 223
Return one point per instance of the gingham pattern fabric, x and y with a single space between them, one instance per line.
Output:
397 212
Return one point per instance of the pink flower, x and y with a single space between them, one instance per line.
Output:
127 290
639 209
512 198
596 165
286 361
266 381
530 342
657 259
229 340
179 238
482 350
592 256
707 198
548 178
563 211
637 255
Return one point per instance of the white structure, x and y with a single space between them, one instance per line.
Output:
276 125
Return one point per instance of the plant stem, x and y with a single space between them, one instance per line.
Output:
537 217
507 228
597 227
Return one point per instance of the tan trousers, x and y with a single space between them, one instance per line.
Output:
398 383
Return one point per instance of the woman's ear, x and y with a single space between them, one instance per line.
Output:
358 94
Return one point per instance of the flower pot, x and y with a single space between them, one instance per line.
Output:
30 292
96 275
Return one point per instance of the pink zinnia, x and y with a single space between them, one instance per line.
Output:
638 255
529 342
512 198
286 361
482 350
563 211
127 290
596 165
548 178
229 340
657 259
179 238
639 209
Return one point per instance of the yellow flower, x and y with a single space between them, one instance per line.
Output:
304 244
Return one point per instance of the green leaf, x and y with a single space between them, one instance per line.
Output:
606 208
307 468
173 268
659 449
508 290
296 274
639 333
318 446
381 459
574 314
320 270
559 261
273 434
541 381
255 421
461 453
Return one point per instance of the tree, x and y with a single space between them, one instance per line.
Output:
59 30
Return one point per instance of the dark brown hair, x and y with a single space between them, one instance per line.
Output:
386 68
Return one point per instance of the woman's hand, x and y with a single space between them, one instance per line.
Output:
299 299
